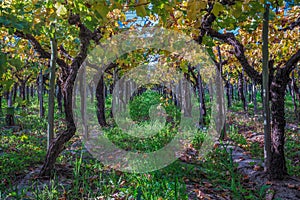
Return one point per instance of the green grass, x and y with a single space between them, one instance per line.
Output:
20 151
130 143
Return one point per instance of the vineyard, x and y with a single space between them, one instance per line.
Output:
147 99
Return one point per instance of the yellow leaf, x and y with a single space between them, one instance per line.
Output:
36 20
34 1
50 11
152 18
60 9
193 8
184 4
178 14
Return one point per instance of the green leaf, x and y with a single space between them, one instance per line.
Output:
218 7
88 18
7 84
141 11
237 9
102 9
19 26
4 20
272 15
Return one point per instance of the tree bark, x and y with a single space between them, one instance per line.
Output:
57 144
277 168
15 90
27 93
232 91
250 99
245 91
59 96
100 96
241 90
228 95
236 92
23 90
9 118
31 91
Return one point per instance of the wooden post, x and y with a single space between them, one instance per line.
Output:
51 102
265 73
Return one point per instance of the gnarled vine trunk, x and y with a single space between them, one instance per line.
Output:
68 79
277 161
68 76
57 144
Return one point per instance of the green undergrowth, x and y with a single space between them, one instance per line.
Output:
21 151
87 178
90 179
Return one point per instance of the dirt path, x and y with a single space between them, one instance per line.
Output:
289 188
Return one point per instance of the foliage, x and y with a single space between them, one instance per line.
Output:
141 105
